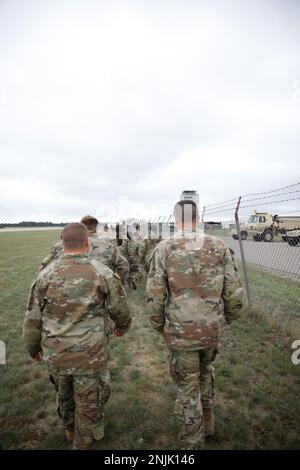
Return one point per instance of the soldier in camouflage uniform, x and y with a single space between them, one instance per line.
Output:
70 306
192 291
105 250
133 248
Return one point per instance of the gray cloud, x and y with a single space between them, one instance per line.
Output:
104 100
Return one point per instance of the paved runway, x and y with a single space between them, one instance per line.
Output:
278 257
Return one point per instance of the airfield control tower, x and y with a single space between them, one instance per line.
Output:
190 195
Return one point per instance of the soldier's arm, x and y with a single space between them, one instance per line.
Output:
121 264
32 327
143 253
156 291
148 254
233 292
116 304
147 257
52 255
47 260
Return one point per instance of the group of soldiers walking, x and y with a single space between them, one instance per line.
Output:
78 302
129 257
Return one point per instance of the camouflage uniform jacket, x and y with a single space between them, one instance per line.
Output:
69 307
192 290
107 251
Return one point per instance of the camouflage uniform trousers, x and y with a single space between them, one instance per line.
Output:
194 376
80 404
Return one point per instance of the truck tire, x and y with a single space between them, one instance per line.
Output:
292 241
268 236
244 235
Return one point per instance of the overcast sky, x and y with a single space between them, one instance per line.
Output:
116 106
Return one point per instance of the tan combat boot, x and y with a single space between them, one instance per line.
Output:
209 422
69 436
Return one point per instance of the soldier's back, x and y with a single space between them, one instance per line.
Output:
107 252
102 249
194 264
74 316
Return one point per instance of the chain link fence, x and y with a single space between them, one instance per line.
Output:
263 229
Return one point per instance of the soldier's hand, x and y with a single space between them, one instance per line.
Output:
131 284
117 332
37 358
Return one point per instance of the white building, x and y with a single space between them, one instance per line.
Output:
190 195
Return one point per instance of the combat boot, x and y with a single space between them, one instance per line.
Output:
209 422
69 436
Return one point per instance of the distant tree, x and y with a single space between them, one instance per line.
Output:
33 224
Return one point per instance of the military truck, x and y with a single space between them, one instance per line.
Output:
292 237
264 226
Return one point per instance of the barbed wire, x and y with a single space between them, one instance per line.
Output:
252 194
227 208
273 191
232 208
273 202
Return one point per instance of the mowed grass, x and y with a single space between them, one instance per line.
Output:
276 297
257 386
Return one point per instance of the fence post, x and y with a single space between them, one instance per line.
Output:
238 228
202 218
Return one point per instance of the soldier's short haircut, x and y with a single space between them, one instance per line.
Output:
90 222
186 212
74 236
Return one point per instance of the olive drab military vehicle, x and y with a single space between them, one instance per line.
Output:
264 226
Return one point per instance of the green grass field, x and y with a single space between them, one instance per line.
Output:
257 386
277 297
